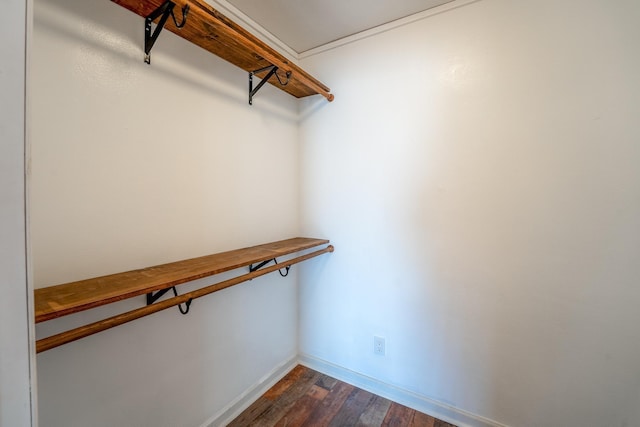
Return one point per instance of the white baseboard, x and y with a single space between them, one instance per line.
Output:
242 402
413 400
408 398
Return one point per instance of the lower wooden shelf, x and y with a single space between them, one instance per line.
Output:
61 300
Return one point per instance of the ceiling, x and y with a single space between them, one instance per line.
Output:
306 24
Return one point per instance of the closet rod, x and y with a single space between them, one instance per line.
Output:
54 341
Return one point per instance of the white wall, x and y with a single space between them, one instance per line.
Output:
15 354
137 165
478 175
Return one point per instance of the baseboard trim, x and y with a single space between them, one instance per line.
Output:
408 398
405 397
242 402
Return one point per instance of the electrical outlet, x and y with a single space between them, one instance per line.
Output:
378 346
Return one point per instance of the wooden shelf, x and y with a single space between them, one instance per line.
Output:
211 30
61 300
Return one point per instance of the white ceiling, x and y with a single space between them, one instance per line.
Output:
306 24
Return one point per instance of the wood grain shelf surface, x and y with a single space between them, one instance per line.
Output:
68 298
214 32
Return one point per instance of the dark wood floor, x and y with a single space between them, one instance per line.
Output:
305 397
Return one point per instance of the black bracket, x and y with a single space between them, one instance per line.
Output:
272 71
151 298
256 267
150 37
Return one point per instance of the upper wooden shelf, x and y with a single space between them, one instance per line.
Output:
61 300
211 30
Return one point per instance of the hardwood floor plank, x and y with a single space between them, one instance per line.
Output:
398 416
281 386
287 399
352 409
252 412
303 407
440 423
330 405
326 382
266 400
422 420
375 413
286 382
317 392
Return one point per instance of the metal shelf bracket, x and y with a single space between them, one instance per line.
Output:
256 267
151 298
164 12
272 71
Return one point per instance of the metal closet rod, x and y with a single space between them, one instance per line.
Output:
57 340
